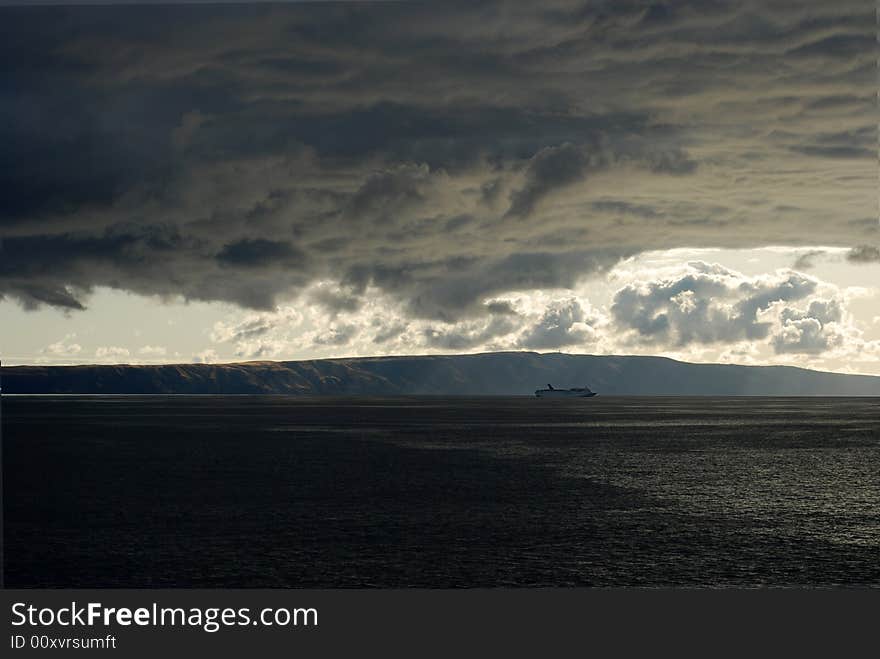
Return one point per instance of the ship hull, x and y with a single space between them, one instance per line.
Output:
562 393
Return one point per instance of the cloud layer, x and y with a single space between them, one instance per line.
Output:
440 154
709 304
698 311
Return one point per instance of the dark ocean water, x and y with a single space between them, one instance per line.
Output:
293 492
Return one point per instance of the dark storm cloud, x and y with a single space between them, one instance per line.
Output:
616 207
336 301
388 191
445 290
258 253
846 144
838 46
470 335
551 168
59 269
443 152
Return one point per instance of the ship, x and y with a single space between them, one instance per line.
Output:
576 392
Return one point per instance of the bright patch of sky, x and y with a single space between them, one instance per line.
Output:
809 307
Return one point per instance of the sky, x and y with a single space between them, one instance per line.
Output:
226 183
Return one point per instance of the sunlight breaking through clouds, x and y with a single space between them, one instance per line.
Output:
358 178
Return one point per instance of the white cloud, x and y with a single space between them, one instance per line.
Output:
697 311
263 335
813 330
111 352
707 309
563 324
64 347
703 303
153 351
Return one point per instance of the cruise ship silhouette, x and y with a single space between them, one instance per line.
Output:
577 392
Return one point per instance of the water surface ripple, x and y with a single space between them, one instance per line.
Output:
264 491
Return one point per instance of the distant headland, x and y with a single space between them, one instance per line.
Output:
496 373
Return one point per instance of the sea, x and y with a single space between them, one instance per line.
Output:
436 492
